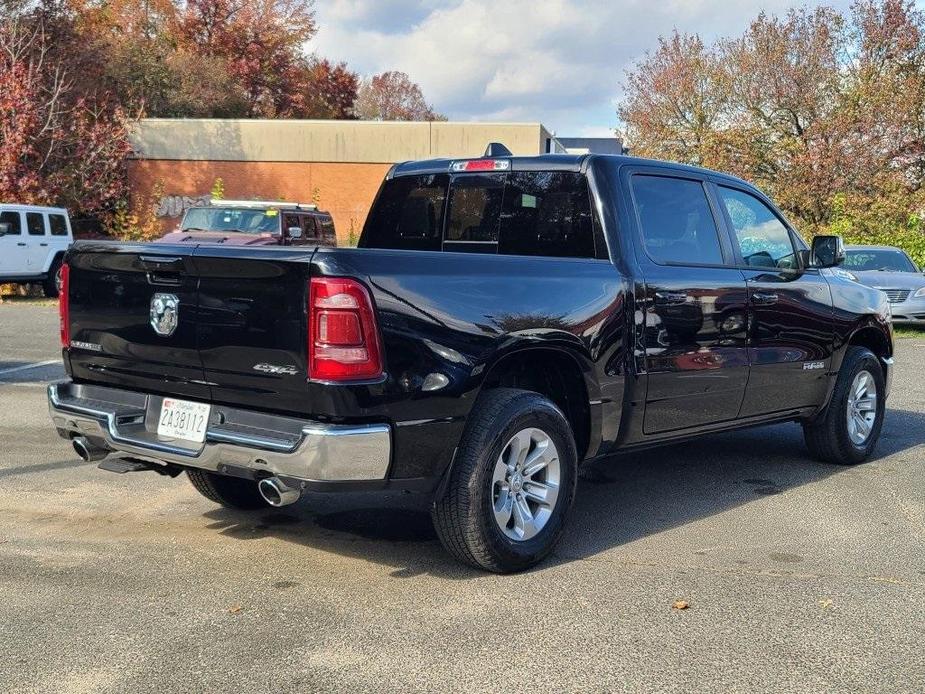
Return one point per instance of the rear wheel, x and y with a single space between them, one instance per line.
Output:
848 431
233 492
511 485
51 286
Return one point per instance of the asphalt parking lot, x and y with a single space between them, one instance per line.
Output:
799 576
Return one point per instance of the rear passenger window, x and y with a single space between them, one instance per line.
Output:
58 224
475 210
12 220
408 214
676 220
763 239
547 213
35 222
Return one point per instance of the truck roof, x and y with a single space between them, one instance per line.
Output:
32 208
551 162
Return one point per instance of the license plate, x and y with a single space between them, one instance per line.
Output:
181 419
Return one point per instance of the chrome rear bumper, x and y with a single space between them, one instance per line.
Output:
125 422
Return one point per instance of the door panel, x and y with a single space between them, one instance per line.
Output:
694 325
790 340
790 321
695 347
12 245
36 239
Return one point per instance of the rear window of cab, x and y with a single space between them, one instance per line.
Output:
537 213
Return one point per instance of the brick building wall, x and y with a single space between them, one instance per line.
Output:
346 190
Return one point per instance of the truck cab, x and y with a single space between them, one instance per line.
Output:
255 223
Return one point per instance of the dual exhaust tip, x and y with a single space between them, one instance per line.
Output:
272 489
88 450
277 494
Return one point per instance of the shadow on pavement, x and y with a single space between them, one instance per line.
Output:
620 499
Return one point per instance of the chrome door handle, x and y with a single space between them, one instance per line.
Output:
670 298
764 298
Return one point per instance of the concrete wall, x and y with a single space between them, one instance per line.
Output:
326 140
341 163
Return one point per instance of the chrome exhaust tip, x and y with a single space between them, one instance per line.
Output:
275 493
88 451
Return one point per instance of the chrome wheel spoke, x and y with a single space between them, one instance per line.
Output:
543 494
523 519
504 507
868 404
860 384
538 459
861 407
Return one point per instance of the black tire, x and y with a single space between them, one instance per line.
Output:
463 515
50 283
828 437
233 492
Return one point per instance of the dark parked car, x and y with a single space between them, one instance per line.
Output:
893 272
255 223
504 319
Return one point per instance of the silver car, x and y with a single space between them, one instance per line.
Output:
890 270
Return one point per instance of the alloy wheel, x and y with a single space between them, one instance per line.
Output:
862 407
525 484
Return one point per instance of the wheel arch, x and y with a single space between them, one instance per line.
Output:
563 376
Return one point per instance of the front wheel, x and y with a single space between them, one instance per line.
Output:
848 431
511 485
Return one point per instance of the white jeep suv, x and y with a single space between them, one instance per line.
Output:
33 240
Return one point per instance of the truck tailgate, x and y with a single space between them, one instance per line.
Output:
240 331
113 341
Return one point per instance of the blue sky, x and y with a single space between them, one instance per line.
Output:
559 62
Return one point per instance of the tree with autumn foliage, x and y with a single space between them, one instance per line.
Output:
393 96
56 145
825 110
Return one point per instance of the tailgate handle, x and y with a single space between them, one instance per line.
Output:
172 278
161 262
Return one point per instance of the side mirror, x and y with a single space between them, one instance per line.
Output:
294 232
4 228
828 251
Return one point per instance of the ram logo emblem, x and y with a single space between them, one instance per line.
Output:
165 313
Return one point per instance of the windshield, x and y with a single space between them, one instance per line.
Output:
888 261
248 221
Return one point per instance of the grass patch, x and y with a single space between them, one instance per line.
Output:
28 301
908 331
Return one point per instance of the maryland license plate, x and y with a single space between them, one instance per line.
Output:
181 419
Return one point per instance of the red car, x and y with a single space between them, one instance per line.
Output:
255 223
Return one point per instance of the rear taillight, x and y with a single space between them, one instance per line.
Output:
343 342
64 313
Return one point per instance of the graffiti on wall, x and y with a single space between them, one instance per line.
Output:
176 205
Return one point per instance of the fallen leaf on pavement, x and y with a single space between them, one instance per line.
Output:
825 604
680 605
234 609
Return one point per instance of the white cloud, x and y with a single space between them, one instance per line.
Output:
555 61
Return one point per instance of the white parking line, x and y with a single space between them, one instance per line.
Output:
36 365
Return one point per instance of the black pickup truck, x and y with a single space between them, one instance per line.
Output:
503 319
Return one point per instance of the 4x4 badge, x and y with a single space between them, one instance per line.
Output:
165 313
